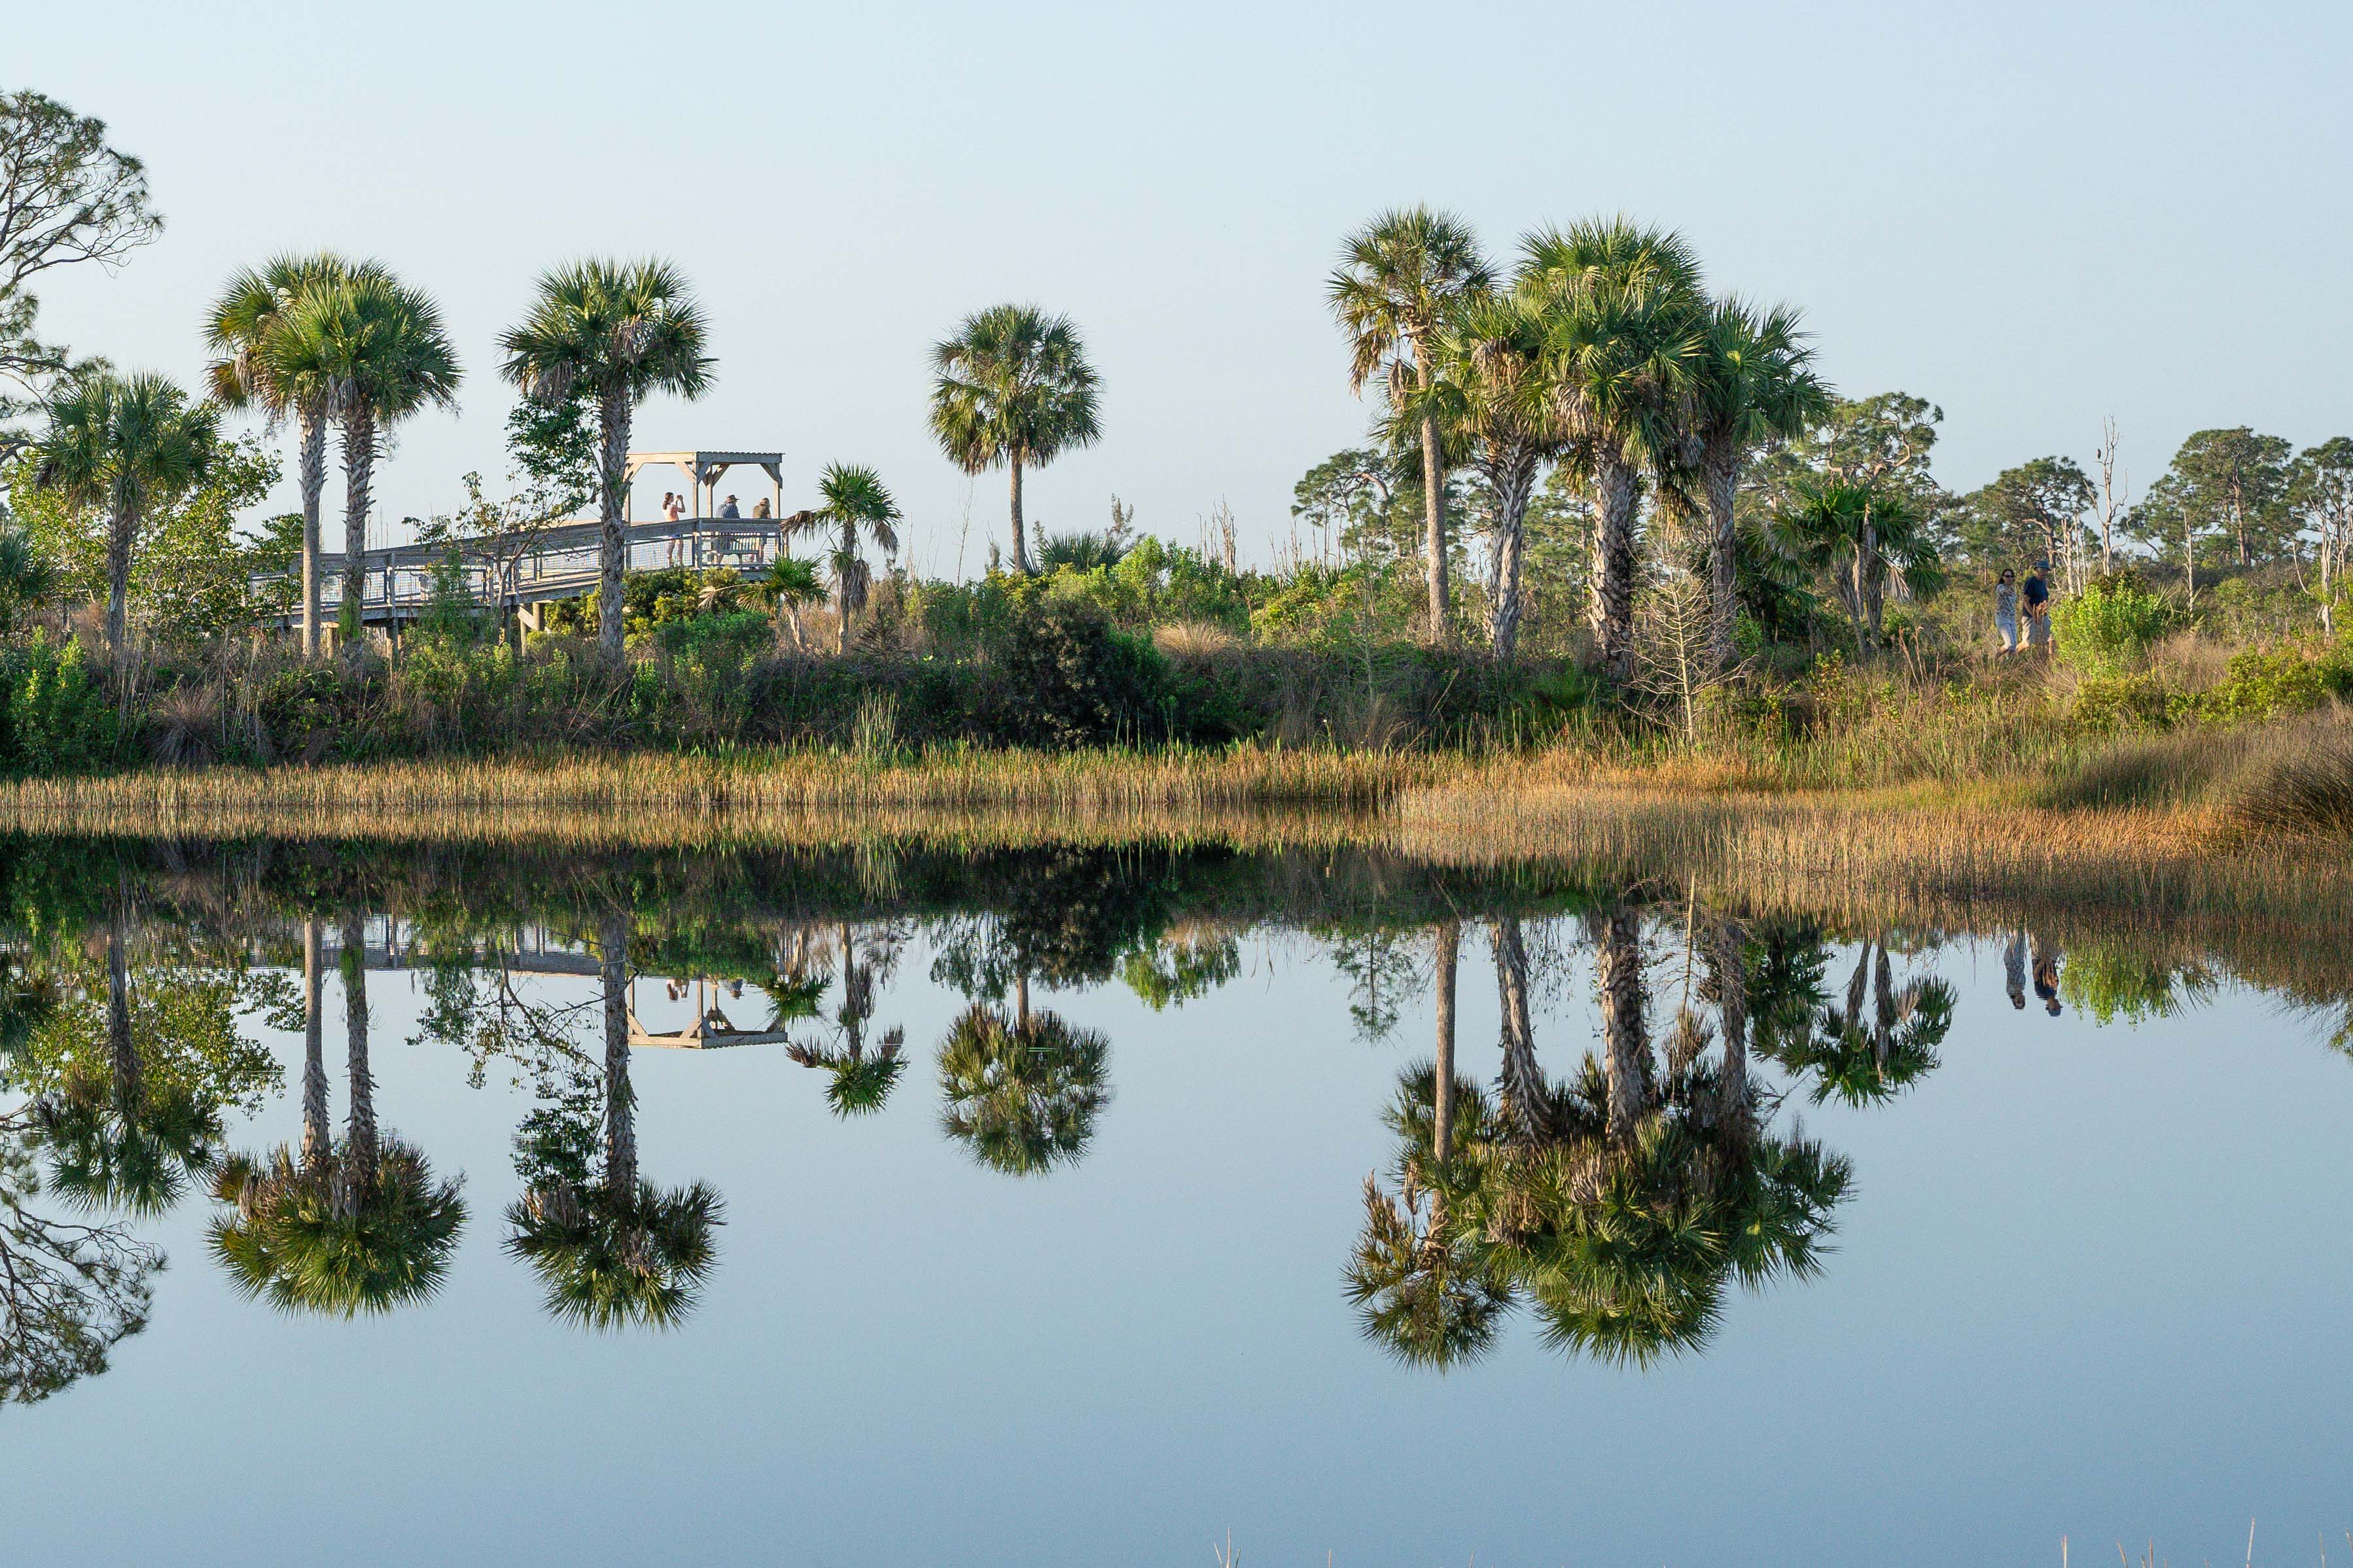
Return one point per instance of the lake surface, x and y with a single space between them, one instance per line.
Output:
1014 1222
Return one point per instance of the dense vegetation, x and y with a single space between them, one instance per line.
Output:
1602 506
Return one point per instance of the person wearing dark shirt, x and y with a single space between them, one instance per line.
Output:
2034 595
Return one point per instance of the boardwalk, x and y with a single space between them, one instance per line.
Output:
557 562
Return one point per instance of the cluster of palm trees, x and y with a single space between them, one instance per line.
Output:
1602 350
1621 1203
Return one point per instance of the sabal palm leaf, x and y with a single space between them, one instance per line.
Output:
1023 1099
1425 1290
611 1261
298 1241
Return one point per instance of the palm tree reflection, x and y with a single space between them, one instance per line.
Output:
611 1249
363 1226
1022 1092
1620 1204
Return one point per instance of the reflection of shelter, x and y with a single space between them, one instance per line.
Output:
704 471
711 1030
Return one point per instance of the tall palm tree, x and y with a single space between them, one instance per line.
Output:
622 331
1023 1091
1624 313
1754 387
619 1250
1399 278
855 503
363 1228
125 446
1014 387
261 366
378 353
1487 384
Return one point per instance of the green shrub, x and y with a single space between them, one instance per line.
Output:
2115 703
58 718
2263 683
1070 679
2108 628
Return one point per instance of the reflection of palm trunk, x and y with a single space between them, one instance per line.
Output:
1732 1006
621 1103
359 1136
1625 1037
1522 1078
120 1054
1441 1104
315 1135
1021 1001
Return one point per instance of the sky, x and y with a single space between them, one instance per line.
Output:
2034 216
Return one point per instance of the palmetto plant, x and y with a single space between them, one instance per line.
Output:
1013 387
1754 387
1023 1092
858 509
378 353
262 366
299 1240
622 331
1869 538
1399 279
1624 314
124 446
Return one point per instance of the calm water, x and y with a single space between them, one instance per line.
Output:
913 1285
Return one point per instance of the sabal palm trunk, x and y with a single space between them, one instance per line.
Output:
121 527
1434 516
123 1056
842 572
1525 1097
1728 954
359 1124
1021 1001
1515 483
620 1100
316 1136
311 472
613 543
1624 1032
1441 1105
1021 529
1610 606
1867 580
1723 482
359 480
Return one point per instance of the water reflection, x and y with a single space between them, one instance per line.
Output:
1619 1193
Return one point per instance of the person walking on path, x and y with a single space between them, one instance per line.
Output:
2013 968
2037 598
2005 609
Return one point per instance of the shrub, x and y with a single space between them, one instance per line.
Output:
1072 681
56 719
2109 628
2265 684
2113 703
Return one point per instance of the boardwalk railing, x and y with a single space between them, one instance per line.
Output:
562 562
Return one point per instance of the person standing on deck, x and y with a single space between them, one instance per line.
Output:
673 513
2005 610
728 512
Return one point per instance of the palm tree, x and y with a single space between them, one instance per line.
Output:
622 331
1625 1032
1447 944
620 1250
126 445
855 501
261 366
125 1142
1879 1043
1488 359
1024 1091
788 585
1624 313
1399 278
1014 387
376 352
1867 537
859 1083
363 1228
1756 386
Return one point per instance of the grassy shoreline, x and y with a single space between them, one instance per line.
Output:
1912 846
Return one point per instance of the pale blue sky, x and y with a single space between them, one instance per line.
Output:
2034 214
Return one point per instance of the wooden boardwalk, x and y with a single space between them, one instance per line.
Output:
521 571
